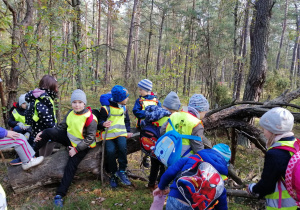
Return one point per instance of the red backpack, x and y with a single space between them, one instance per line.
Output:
292 174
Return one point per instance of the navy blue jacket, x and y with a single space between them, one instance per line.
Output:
208 155
12 121
276 161
137 109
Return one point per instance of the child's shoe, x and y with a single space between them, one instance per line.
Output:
146 161
27 135
16 162
33 162
58 201
113 181
123 177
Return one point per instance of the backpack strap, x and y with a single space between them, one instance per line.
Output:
290 149
90 118
197 138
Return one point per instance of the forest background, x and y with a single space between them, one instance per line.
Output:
243 50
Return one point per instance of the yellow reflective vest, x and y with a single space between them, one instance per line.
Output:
117 127
147 102
184 123
18 117
280 199
36 116
76 124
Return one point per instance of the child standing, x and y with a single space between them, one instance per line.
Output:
74 133
116 120
277 124
157 116
217 157
188 122
10 139
145 99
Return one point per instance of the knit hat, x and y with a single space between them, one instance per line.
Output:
22 99
172 101
119 93
224 150
199 102
145 84
277 120
78 95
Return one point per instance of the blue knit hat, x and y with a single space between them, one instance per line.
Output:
119 93
145 84
224 150
199 102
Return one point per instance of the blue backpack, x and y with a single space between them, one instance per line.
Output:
168 147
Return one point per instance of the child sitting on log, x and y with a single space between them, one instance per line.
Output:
78 133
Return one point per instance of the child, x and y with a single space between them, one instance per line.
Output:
17 122
10 139
188 122
277 124
17 118
145 99
76 135
116 120
158 116
41 112
217 157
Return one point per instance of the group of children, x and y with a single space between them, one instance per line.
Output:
78 129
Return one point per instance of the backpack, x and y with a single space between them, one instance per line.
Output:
201 185
148 138
292 178
168 147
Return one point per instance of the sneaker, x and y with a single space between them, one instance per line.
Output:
146 162
123 177
113 181
58 201
33 162
16 162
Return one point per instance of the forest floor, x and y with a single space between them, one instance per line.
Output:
87 192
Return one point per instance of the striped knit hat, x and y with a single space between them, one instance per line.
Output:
224 150
145 84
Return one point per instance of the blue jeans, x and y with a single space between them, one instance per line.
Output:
119 143
173 203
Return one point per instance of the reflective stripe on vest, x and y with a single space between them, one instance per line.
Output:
184 123
18 117
147 102
76 124
280 199
36 116
3 203
117 127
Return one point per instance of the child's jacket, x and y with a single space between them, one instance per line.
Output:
80 135
17 115
141 103
40 113
208 155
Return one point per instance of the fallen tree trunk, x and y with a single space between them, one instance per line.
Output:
239 193
52 168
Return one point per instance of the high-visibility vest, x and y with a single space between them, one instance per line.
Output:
147 102
280 199
117 127
36 116
184 123
161 121
18 117
76 124
3 203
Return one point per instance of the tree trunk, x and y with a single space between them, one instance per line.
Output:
51 171
158 64
136 39
96 73
235 46
282 35
259 44
107 58
129 45
149 39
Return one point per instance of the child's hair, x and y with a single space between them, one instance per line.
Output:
48 82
